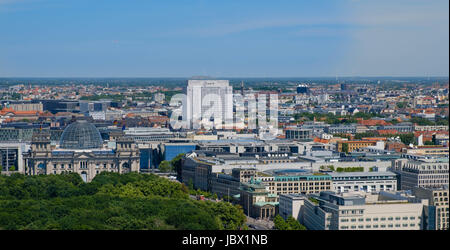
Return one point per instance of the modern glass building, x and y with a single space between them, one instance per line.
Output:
149 158
171 150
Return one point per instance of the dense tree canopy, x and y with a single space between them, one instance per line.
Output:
111 201
290 224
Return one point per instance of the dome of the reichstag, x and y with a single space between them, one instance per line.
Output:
81 135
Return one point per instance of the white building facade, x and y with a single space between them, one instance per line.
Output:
209 104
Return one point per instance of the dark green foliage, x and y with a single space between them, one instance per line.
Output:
290 224
111 201
177 163
407 138
345 147
165 167
359 136
425 122
350 169
280 223
401 105
335 119
294 224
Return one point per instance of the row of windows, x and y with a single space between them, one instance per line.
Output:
378 226
303 184
433 176
304 189
376 219
83 165
433 181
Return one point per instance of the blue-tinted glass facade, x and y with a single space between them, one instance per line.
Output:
148 158
171 151
431 225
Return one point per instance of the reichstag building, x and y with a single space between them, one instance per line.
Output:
81 150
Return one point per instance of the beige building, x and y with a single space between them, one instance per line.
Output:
427 150
290 205
289 182
27 106
438 206
257 202
363 211
421 173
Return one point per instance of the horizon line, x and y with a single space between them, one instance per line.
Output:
221 77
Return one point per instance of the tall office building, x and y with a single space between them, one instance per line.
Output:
208 101
302 89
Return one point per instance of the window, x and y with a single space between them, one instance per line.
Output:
368 226
368 219
383 219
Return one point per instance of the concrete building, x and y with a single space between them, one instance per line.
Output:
437 209
404 127
257 202
363 181
421 173
427 150
26 106
149 134
355 145
341 129
290 205
294 181
11 158
363 211
200 95
298 134
440 139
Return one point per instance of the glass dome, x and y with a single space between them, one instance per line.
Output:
81 135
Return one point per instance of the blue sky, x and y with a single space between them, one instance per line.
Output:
246 38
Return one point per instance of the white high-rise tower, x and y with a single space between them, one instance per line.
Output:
209 104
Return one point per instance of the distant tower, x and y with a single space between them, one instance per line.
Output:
242 88
302 89
197 104
420 140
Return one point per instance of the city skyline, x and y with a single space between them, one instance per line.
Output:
47 38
